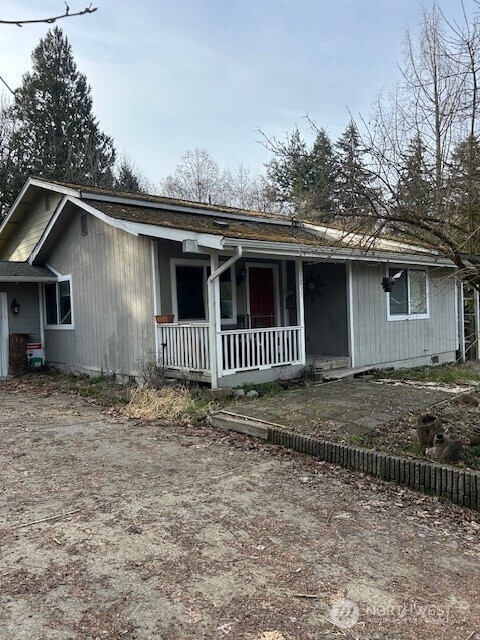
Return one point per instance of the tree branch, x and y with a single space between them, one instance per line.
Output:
52 19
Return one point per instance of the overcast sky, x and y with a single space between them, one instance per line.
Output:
172 75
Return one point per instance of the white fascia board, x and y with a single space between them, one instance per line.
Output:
47 230
378 243
333 253
14 205
27 279
209 241
35 182
67 191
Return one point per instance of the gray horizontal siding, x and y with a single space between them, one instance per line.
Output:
112 297
378 341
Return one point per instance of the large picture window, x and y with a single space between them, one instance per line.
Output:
190 291
58 303
409 298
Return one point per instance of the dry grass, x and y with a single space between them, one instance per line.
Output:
170 404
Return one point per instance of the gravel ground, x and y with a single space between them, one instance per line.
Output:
112 528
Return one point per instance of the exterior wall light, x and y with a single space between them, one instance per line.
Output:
241 276
15 307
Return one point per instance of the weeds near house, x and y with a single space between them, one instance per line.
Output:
264 389
169 404
448 373
100 388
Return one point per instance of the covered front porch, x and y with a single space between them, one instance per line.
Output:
227 320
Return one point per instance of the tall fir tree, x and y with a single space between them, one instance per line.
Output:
355 194
290 172
414 195
127 178
463 195
56 133
321 194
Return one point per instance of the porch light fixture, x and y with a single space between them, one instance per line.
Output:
15 307
312 286
241 276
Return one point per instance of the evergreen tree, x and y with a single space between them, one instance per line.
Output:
463 200
291 172
56 134
355 194
127 178
415 186
323 175
8 168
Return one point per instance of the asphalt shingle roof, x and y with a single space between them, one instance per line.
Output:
10 269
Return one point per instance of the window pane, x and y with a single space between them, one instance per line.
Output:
226 304
65 302
51 303
190 299
398 297
418 291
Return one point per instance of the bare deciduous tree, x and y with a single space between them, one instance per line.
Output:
431 119
51 19
199 178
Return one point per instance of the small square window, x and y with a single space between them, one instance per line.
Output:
58 303
409 295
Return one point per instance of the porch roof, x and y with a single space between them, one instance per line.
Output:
24 272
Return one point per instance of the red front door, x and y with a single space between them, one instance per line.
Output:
262 297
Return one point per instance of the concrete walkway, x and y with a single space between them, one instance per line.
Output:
351 406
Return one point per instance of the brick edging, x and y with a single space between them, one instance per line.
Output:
461 486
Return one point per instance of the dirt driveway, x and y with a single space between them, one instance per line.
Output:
115 529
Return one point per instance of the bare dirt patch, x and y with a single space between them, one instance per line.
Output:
113 528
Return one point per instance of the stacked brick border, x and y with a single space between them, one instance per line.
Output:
461 486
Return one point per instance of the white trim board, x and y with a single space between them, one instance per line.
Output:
3 335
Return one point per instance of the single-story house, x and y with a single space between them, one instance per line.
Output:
99 280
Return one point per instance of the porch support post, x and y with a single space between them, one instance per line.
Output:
156 296
41 313
300 308
351 333
214 319
212 286
461 320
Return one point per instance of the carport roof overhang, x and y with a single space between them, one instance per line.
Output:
11 271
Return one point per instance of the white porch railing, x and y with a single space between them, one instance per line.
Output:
244 349
184 346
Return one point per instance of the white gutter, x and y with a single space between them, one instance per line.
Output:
334 253
213 305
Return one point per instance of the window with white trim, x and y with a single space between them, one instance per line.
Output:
409 297
58 303
190 291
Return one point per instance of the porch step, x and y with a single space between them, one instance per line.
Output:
327 364
339 374
241 424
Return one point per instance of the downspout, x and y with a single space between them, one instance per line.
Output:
212 310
